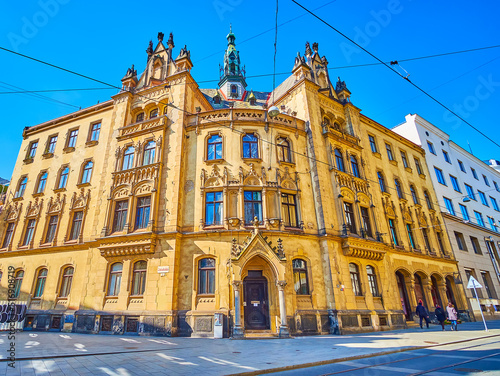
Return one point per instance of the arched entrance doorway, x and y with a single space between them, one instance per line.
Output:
419 290
436 297
449 291
255 301
405 303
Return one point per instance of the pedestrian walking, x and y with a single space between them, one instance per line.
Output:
440 315
452 316
423 314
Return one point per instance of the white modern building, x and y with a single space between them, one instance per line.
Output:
468 191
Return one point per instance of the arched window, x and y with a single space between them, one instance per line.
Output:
115 279
153 113
214 147
428 200
21 187
40 283
339 161
42 181
372 280
326 121
381 181
398 188
149 153
206 276
140 117
128 158
284 151
350 222
139 278
250 146
87 172
414 194
356 284
354 166
18 281
66 281
63 178
300 277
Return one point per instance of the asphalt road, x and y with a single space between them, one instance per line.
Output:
481 357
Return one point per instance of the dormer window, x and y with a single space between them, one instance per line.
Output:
217 99
234 91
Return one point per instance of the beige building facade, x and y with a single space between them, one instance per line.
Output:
171 209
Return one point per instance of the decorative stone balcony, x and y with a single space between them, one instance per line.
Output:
361 248
127 247
136 174
338 134
347 180
142 127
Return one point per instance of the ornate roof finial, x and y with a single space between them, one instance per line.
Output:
160 36
230 28
308 49
171 41
150 48
315 47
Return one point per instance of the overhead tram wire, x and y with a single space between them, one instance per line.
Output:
34 95
210 121
279 73
399 74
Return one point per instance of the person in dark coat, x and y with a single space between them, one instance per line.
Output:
423 314
440 315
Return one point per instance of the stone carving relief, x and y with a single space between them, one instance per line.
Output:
55 206
34 208
80 200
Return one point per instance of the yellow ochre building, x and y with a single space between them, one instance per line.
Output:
171 209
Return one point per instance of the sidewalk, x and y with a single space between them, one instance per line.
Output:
84 354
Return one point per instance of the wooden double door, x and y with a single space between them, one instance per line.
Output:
256 301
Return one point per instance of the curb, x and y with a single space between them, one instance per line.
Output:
350 358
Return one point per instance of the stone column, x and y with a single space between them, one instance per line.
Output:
283 329
237 329
410 289
241 206
265 217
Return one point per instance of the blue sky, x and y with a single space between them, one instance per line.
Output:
102 39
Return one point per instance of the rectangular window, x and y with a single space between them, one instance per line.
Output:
446 156
486 181
426 239
487 287
392 229
479 218
431 147
474 173
492 224
373 145
440 242
418 167
470 192
389 152
253 206
461 165
475 245
32 150
95 129
483 198
460 241
410 236
120 217
8 235
465 212
76 225
404 159
440 176
349 218
72 136
449 205
494 203
365 216
213 208
454 183
496 186
289 206
51 228
30 229
142 212
51 147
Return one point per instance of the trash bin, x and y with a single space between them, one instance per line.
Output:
218 325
